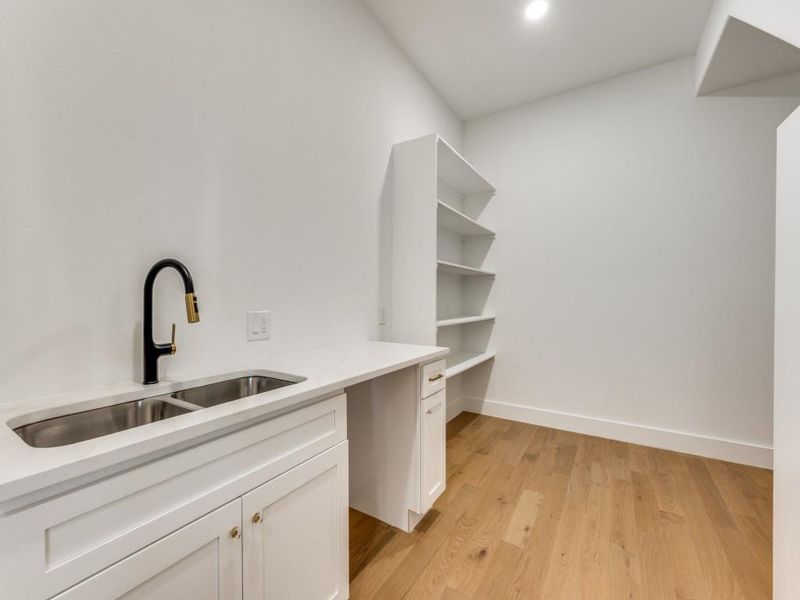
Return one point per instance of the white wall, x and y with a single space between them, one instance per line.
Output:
635 260
249 139
787 360
755 43
779 18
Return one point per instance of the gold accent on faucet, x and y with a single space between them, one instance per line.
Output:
174 348
192 312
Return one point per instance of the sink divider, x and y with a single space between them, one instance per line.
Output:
181 403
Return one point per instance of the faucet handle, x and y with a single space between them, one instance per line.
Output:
172 343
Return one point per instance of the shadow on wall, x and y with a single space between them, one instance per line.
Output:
475 385
784 86
136 358
385 240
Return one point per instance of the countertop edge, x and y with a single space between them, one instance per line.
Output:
161 443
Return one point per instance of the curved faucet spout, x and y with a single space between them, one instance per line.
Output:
152 350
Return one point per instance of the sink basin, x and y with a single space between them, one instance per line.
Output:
229 390
89 424
86 425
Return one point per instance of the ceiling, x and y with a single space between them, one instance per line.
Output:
484 56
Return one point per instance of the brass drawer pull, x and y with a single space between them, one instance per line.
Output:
437 378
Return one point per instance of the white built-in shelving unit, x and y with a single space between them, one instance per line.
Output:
441 278
457 223
463 270
450 322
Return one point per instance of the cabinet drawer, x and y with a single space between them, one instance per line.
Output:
68 538
433 378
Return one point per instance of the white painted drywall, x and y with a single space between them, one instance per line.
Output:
249 139
635 262
747 41
779 18
787 363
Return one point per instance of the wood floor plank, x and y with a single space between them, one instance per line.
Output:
731 491
523 518
717 570
451 594
392 560
474 538
594 550
619 460
689 582
479 551
624 568
655 559
535 513
405 573
563 577
368 537
460 551
500 573
529 578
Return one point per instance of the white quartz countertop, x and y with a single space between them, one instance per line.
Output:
24 469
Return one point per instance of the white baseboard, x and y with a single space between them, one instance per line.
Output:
679 441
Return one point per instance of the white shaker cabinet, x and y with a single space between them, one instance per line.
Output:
434 424
201 561
287 538
397 430
296 532
173 528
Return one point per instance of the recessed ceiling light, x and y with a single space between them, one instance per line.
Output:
536 10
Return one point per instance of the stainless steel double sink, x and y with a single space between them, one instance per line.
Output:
89 424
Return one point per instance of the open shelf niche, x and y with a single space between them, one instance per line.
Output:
441 276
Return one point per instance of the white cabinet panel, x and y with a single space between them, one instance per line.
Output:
384 433
72 536
296 532
434 423
202 561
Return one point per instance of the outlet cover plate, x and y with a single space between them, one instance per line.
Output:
259 325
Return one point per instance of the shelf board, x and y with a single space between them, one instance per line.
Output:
457 269
464 320
462 361
453 220
457 173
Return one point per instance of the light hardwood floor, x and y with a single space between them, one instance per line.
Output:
531 512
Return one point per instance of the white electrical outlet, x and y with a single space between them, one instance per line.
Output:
259 325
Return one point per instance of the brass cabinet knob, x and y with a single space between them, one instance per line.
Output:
235 533
257 518
429 412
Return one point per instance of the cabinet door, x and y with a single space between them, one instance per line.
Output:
433 449
201 561
296 532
